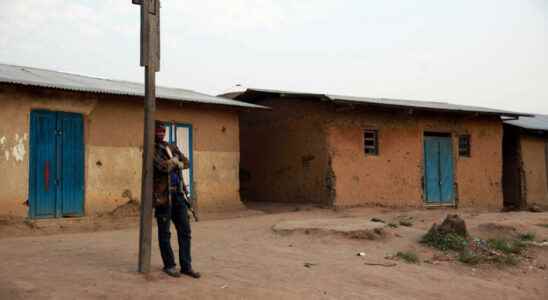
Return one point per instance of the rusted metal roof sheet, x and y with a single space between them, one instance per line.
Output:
72 82
251 94
539 122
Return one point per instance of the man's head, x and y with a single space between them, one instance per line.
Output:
160 132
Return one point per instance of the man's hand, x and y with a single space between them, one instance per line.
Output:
176 162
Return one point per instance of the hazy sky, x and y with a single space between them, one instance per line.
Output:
480 52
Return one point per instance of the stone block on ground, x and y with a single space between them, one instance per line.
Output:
350 227
453 224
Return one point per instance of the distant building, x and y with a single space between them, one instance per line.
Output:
526 162
346 151
71 145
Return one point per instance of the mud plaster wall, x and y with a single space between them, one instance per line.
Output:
283 153
394 177
533 153
113 147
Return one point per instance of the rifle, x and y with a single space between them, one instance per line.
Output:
183 188
186 196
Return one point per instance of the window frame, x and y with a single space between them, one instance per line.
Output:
370 150
465 149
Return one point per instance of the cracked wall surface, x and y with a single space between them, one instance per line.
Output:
284 158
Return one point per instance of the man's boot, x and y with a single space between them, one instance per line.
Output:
172 272
191 273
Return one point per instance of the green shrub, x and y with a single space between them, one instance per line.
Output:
502 252
506 246
446 242
529 236
408 257
470 258
508 259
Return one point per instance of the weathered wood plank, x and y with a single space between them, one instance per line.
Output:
150 59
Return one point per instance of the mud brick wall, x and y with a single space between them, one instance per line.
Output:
394 177
113 133
278 147
283 154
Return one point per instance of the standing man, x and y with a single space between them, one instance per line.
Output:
170 205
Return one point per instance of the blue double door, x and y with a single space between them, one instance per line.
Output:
439 170
56 187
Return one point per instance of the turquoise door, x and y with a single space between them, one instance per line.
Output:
56 181
438 168
43 160
71 166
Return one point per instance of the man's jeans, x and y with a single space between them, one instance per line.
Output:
178 214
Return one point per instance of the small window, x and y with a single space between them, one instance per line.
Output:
464 145
371 142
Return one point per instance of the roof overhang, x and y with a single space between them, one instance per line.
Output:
538 123
27 76
252 95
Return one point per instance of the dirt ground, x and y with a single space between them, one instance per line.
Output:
244 258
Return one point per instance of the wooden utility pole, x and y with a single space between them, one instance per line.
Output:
150 59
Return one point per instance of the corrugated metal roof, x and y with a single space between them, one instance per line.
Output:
429 105
73 82
396 103
539 122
